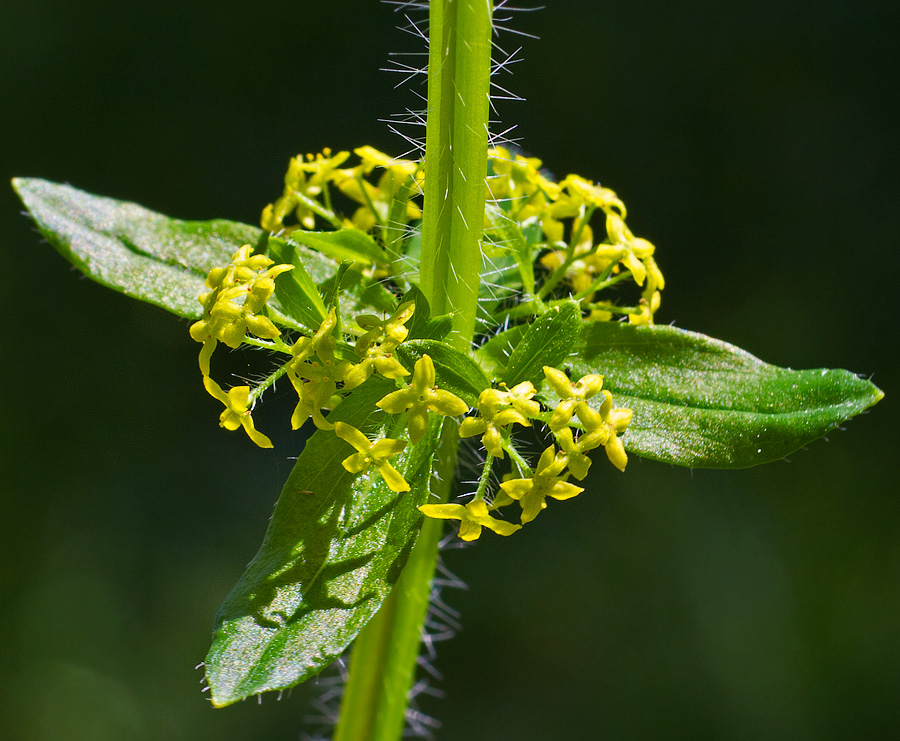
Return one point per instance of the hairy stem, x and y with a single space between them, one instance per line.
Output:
456 159
382 667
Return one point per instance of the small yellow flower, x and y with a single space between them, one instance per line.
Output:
390 332
420 397
605 425
617 421
376 346
372 158
473 517
372 454
315 381
239 293
573 397
596 195
237 410
546 482
575 450
499 409
313 397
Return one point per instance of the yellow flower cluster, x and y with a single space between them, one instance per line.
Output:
517 191
238 293
531 196
322 367
307 195
499 410
316 371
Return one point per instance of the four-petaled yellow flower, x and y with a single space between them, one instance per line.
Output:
546 482
572 396
237 410
575 450
616 420
372 454
499 409
473 517
232 308
376 346
420 397
315 381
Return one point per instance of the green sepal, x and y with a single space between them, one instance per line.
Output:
295 289
704 403
131 249
455 372
336 544
343 244
548 341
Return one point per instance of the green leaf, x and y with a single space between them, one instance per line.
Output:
455 371
423 326
360 294
705 403
548 341
131 249
336 544
494 354
296 291
511 237
343 244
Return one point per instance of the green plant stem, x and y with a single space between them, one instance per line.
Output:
485 477
456 138
383 663
382 667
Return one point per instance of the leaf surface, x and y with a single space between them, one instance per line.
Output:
131 249
336 544
295 289
343 244
704 403
548 341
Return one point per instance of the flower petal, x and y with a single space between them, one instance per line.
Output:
393 478
349 434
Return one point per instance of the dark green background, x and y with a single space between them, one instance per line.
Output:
755 143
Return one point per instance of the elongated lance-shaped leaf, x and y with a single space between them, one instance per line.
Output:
705 403
336 544
139 252
344 244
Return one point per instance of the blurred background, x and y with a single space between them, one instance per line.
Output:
756 144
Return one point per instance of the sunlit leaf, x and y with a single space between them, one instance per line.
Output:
336 544
705 403
131 249
343 244
548 341
295 289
